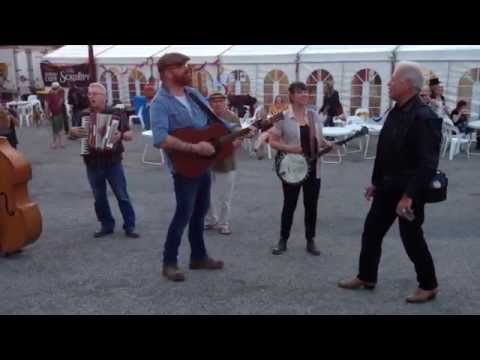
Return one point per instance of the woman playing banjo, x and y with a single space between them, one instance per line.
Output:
300 132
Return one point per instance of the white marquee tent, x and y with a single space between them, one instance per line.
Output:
361 72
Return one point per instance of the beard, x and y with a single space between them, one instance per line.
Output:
184 79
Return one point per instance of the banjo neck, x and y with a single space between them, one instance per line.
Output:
362 132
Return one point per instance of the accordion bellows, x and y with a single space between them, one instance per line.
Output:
101 128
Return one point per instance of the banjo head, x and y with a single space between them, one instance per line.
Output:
292 169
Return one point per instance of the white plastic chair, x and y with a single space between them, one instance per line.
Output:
453 140
137 116
149 134
361 111
32 98
24 113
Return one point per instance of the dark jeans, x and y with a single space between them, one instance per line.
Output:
66 124
193 201
98 177
311 192
76 118
379 220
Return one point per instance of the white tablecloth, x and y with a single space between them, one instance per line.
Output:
372 128
337 131
474 125
17 103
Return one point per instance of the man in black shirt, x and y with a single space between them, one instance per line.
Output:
78 99
106 165
407 158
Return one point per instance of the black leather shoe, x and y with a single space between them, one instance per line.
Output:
312 248
280 248
102 233
132 234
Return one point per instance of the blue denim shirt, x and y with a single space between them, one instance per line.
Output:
167 114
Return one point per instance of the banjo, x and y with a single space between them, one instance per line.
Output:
294 169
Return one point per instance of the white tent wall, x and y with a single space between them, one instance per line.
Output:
74 54
257 74
249 69
122 73
448 62
129 54
343 73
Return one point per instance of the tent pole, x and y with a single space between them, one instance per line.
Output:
91 64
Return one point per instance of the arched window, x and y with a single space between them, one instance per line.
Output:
238 83
136 83
110 81
315 86
469 90
366 92
275 83
202 81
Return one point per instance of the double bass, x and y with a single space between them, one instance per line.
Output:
20 218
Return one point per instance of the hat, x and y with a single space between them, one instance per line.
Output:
171 59
55 85
433 82
216 95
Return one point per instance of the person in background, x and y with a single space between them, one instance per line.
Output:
55 112
78 100
425 95
437 100
459 117
331 104
278 106
223 175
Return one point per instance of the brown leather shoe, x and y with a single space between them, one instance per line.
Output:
355 284
422 296
207 264
172 273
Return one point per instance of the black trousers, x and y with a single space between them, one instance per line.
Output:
311 192
379 220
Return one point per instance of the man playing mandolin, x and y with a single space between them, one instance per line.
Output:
300 132
178 106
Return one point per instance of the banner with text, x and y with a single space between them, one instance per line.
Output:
63 74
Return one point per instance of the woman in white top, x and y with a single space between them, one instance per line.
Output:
292 135
437 100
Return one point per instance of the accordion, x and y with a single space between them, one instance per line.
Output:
101 128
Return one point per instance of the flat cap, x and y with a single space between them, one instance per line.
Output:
216 95
171 59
